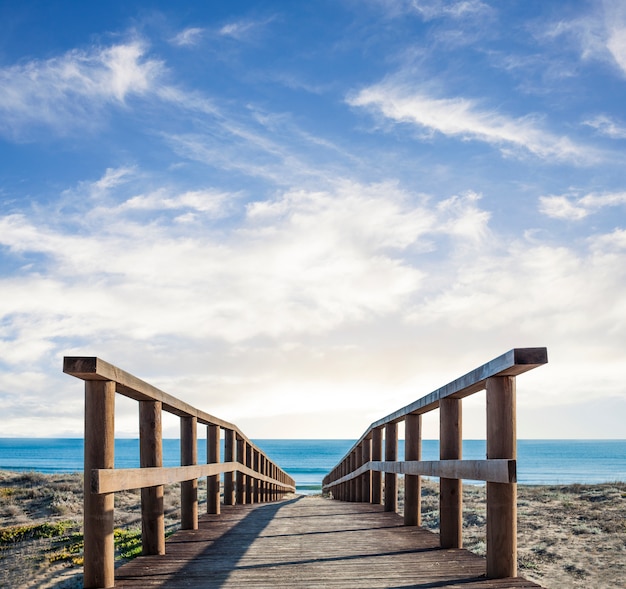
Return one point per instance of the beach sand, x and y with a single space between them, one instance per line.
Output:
571 536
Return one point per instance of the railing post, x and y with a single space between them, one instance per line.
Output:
241 458
366 481
249 479
257 482
351 467
413 483
391 478
151 455
229 456
98 509
451 490
358 461
188 489
213 456
501 497
377 456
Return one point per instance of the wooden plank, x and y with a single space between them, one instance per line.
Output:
111 480
492 470
309 543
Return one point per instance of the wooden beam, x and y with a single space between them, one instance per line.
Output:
99 551
91 368
151 455
391 478
493 470
501 498
511 363
124 479
213 456
450 489
413 483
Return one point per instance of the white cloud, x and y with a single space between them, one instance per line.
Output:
431 9
343 292
437 9
574 208
244 30
615 20
188 37
600 34
605 125
72 89
463 118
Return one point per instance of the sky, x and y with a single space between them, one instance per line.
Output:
302 216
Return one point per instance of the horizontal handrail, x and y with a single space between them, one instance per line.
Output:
112 480
512 363
93 368
493 471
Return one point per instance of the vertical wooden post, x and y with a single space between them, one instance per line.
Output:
98 509
249 480
263 484
229 456
188 489
377 456
352 483
358 482
501 497
451 490
413 483
257 482
213 456
151 455
241 458
391 478
366 481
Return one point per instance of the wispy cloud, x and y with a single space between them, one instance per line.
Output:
607 126
574 207
600 34
436 9
464 118
72 89
431 9
244 30
188 37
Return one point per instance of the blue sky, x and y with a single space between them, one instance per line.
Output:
301 216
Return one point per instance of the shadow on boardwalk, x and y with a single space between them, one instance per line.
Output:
309 542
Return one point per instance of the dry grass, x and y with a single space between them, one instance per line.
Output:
32 504
569 536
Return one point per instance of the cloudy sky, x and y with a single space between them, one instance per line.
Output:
301 216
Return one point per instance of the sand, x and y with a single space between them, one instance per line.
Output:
569 536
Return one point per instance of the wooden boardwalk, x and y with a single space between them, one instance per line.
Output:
308 542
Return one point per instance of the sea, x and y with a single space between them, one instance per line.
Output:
539 462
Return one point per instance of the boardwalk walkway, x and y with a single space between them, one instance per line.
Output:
308 542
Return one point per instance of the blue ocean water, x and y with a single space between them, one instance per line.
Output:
307 461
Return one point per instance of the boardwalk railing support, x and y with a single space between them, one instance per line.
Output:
102 480
498 470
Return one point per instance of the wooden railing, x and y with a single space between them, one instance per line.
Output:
249 475
357 477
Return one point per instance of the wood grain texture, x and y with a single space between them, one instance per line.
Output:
309 543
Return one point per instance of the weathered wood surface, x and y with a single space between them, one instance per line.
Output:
309 543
